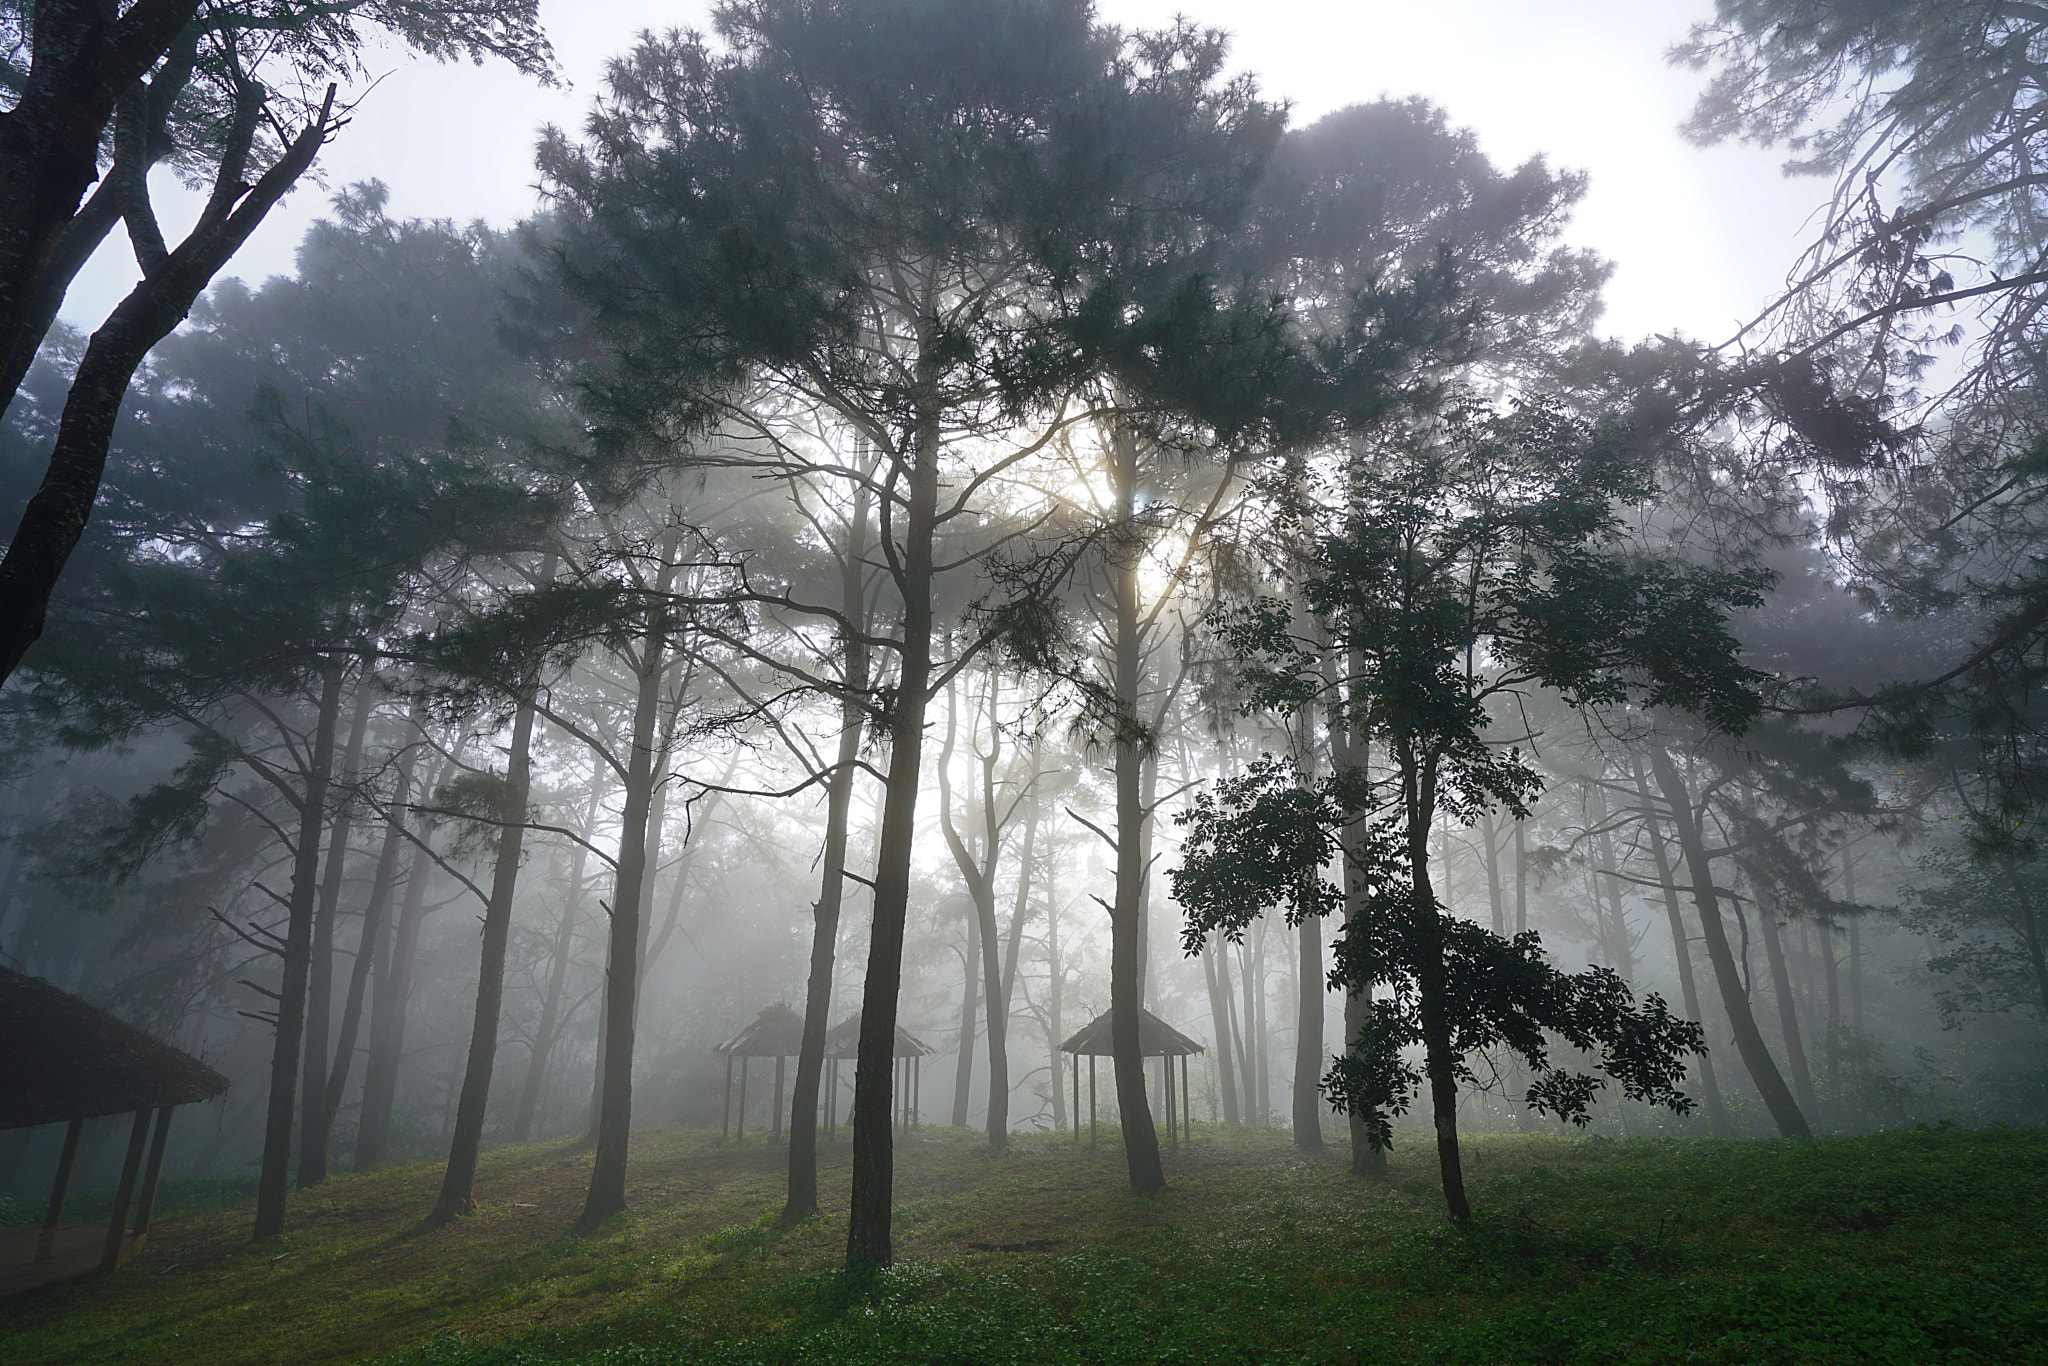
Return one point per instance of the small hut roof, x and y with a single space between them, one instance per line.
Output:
1156 1038
777 1032
843 1041
62 1059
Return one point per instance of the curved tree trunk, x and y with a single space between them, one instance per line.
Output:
1681 950
55 517
1749 1041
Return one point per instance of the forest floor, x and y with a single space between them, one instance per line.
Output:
1921 1246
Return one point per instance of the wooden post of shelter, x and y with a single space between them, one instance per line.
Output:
59 1189
124 1193
145 1205
725 1115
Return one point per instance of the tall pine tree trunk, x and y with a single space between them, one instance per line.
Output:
802 1200
868 1243
274 1174
563 950
316 1120
369 944
1126 921
458 1181
607 1194
393 1000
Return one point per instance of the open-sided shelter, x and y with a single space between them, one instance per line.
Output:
1156 1039
65 1062
842 1044
778 1033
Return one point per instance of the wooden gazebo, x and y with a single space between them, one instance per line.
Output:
1156 1039
65 1062
778 1033
842 1043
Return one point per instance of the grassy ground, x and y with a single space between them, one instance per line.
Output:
1906 1247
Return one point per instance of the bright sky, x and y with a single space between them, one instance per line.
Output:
1700 238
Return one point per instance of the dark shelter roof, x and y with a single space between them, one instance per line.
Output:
1156 1038
62 1059
777 1032
843 1041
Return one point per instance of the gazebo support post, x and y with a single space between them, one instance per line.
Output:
1077 1100
778 1096
917 1090
1091 1100
831 1097
740 1131
124 1194
1187 1105
146 1203
59 1189
725 1114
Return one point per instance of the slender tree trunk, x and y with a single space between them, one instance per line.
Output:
1005 988
810 1061
1309 985
1490 833
1259 1035
1855 944
1219 1015
1621 953
1126 966
1681 951
1521 878
1351 752
275 1172
369 942
970 1022
1749 1041
1250 1046
458 1181
316 1121
558 971
1440 1061
387 1019
1055 990
868 1244
1308 1036
607 1195
1781 984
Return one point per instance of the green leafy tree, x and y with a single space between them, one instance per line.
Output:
1490 561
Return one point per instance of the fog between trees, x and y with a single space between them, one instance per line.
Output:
956 518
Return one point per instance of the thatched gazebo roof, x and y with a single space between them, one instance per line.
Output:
843 1041
1156 1038
61 1059
777 1032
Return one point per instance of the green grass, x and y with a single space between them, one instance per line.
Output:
1903 1247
